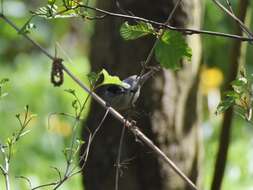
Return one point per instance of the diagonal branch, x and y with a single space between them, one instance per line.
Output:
128 124
232 15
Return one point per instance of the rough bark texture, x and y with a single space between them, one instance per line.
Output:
167 109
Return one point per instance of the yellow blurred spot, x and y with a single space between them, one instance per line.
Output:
211 78
59 127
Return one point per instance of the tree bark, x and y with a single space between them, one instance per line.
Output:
168 108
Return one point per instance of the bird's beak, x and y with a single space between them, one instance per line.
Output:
147 75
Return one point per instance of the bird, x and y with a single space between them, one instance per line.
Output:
123 97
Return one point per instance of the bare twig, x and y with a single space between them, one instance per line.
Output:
230 6
45 185
26 179
186 31
112 111
232 15
118 165
160 35
58 172
5 169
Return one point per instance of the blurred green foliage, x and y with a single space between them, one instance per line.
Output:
239 170
29 73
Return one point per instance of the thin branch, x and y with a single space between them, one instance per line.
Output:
151 52
2 169
26 36
6 171
118 165
229 13
58 172
186 31
45 185
160 35
111 110
26 179
230 6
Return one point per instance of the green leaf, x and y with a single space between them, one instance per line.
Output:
70 3
224 105
49 11
27 28
132 32
240 85
92 77
51 2
24 133
232 94
108 79
170 49
75 104
71 91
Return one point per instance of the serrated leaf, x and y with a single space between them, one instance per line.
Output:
132 32
170 49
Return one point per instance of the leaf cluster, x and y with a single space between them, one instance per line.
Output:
241 96
171 46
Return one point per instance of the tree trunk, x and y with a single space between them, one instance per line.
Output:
168 108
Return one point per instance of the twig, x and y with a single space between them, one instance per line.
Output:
230 6
112 111
26 179
118 165
160 35
232 15
151 52
186 31
5 169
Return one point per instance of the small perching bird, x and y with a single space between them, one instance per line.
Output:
123 97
